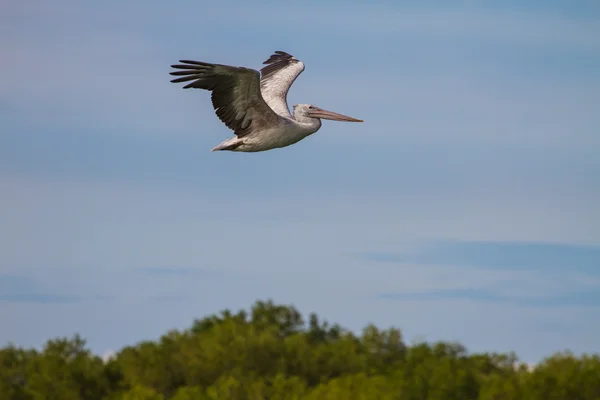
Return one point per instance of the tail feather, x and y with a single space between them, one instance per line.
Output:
229 144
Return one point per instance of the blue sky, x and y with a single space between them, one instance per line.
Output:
466 207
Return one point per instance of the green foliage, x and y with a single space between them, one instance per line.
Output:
140 393
270 353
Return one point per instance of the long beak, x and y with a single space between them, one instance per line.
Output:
317 112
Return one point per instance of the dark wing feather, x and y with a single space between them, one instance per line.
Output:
280 73
236 95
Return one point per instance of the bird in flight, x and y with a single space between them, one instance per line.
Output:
254 105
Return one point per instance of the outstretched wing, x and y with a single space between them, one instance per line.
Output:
236 95
281 71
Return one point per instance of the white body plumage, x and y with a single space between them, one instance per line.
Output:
290 131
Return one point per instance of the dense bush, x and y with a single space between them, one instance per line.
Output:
271 353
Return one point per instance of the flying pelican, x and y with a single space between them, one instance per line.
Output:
254 105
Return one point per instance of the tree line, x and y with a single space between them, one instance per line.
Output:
271 353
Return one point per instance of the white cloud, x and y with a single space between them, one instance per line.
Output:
108 355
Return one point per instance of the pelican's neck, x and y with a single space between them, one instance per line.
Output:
308 122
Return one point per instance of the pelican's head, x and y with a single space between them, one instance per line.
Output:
310 111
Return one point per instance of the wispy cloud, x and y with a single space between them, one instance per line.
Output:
576 299
521 28
179 271
531 274
39 298
547 257
169 298
10 282
23 289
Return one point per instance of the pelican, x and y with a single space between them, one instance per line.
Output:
254 105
